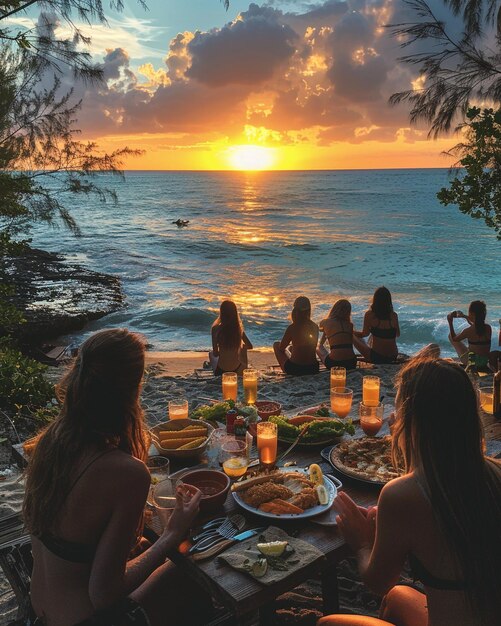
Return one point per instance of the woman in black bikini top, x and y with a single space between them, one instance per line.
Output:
338 332
86 490
444 513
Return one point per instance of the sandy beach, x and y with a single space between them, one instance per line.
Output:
169 373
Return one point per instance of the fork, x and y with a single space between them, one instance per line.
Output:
228 529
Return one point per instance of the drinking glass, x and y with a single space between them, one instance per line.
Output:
164 499
370 390
159 468
338 377
371 418
341 400
178 409
486 395
267 443
230 386
235 457
250 386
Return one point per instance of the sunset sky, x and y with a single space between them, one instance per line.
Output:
278 85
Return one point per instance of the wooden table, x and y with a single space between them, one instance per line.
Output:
243 595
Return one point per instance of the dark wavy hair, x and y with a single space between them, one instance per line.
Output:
100 407
438 427
230 326
479 309
382 306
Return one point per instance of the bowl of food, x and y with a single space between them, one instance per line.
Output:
267 408
181 438
213 484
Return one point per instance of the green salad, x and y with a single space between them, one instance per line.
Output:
318 430
214 413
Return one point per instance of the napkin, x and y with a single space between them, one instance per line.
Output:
304 554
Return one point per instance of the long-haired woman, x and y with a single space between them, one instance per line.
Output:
444 514
478 334
381 326
337 330
229 341
86 489
296 352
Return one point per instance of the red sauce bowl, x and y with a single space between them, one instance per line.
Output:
214 486
267 408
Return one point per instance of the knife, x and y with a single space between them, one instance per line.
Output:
222 545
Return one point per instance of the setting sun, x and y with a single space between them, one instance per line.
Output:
248 157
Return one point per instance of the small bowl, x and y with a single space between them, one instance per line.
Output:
213 484
179 425
267 408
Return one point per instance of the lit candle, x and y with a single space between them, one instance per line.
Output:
370 392
338 377
230 386
178 409
267 442
250 386
341 400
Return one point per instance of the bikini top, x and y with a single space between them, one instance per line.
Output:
72 551
420 572
383 333
340 346
484 342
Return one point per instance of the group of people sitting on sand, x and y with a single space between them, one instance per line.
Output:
87 485
299 351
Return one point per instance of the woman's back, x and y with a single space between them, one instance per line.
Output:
384 333
339 334
229 356
69 558
304 337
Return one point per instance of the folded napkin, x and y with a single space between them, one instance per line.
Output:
304 554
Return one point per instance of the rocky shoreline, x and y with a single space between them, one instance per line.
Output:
56 296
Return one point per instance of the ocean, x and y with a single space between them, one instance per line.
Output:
263 238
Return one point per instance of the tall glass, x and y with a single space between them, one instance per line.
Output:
267 443
178 409
370 390
230 386
250 386
235 456
371 418
487 399
341 401
164 498
338 377
159 468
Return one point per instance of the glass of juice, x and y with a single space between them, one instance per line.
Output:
178 409
486 397
371 418
250 386
341 401
230 386
338 377
267 443
370 390
235 457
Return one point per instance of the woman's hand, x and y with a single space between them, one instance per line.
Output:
357 525
185 511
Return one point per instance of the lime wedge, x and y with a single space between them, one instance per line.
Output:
322 495
272 548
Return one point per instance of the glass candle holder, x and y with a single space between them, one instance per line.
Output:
486 398
250 386
338 377
370 390
230 386
341 401
235 457
371 418
178 409
267 443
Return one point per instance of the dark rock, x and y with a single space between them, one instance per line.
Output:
58 297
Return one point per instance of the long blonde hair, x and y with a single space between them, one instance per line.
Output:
229 325
341 311
100 407
438 427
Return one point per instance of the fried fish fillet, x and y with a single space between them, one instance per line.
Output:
257 494
306 499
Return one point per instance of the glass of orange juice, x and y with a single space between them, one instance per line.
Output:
230 386
338 377
250 386
235 457
371 418
370 390
267 443
178 409
341 401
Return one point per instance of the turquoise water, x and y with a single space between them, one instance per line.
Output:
263 238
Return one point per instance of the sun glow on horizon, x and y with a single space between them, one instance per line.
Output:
250 157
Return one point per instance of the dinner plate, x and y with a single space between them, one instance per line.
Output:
315 510
327 455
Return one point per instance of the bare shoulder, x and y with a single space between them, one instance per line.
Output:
123 470
401 492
